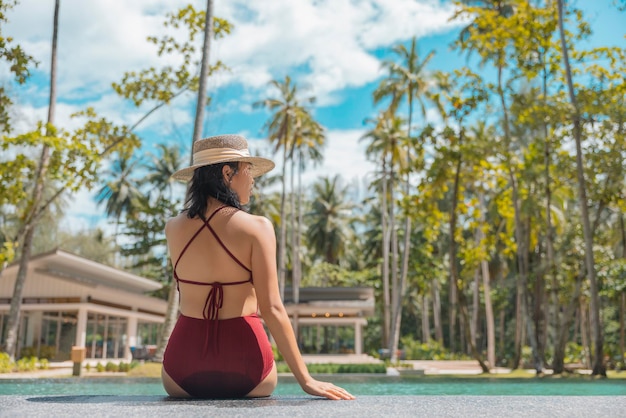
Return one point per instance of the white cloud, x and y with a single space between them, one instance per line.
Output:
331 41
326 45
344 155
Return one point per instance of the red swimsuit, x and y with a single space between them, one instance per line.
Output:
212 357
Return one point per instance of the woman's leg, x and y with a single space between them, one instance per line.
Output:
267 386
171 387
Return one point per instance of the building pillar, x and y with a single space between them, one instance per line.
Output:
358 338
131 338
81 327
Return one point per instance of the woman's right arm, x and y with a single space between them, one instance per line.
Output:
274 313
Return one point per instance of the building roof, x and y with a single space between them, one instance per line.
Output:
73 267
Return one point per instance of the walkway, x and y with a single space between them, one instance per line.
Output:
305 406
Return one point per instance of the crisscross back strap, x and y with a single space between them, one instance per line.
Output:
208 226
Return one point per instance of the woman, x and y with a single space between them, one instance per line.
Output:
225 268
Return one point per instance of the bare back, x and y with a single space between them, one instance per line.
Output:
206 261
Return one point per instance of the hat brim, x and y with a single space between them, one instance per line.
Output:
259 167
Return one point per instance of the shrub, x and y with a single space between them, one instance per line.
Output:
26 352
26 364
6 365
432 350
47 352
331 368
44 364
277 355
99 367
111 367
123 367
574 353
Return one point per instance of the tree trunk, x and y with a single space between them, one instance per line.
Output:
385 265
522 316
171 313
454 276
553 305
293 220
464 317
489 318
31 220
563 328
584 333
425 319
171 316
599 368
622 310
437 313
395 285
622 314
475 317
397 308
204 73
282 245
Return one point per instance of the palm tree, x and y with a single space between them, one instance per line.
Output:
121 194
289 114
162 166
329 233
405 79
309 139
386 139
598 356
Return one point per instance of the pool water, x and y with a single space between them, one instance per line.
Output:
358 385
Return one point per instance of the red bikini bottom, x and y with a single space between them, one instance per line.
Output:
224 358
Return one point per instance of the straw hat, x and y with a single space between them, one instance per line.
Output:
223 149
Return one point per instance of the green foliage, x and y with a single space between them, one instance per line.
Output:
331 368
328 275
18 62
123 367
45 352
6 365
162 85
277 356
99 367
26 364
432 350
111 367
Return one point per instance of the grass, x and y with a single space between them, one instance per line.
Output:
146 370
154 370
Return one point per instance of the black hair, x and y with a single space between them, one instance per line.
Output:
208 181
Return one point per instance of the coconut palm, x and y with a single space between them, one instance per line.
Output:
329 220
162 165
309 139
406 79
385 146
289 115
121 194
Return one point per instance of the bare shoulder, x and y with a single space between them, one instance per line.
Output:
174 222
254 224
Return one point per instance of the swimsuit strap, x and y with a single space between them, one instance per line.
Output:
207 225
226 249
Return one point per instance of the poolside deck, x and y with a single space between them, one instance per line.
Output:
305 406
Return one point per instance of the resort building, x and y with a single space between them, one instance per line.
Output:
330 320
71 301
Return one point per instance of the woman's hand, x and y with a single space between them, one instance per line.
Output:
327 390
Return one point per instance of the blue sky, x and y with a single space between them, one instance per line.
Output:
331 48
